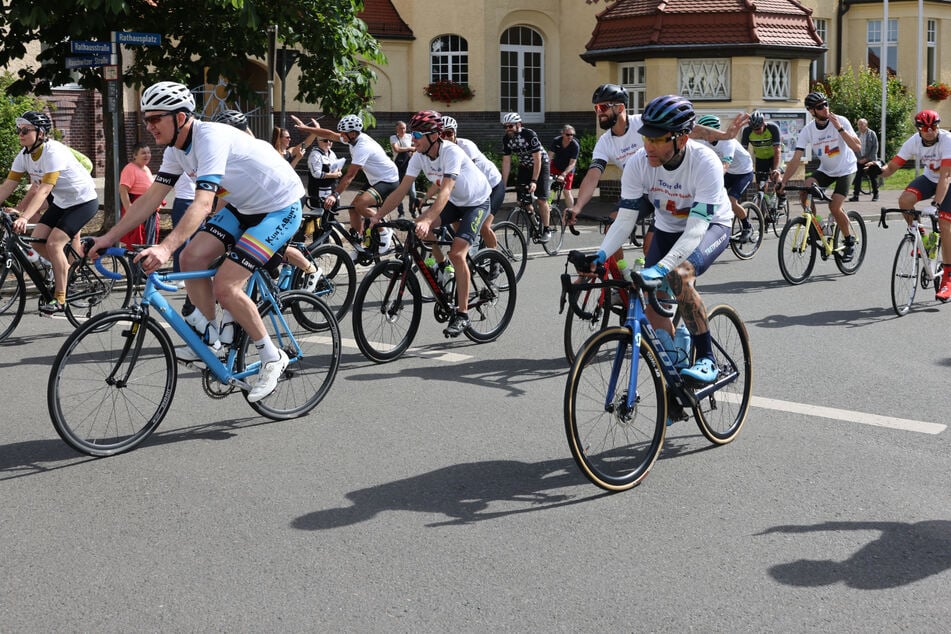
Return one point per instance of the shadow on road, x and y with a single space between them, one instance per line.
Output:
903 554
850 318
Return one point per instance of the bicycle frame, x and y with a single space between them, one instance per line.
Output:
152 298
812 222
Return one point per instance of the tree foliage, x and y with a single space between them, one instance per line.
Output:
217 36
858 94
10 109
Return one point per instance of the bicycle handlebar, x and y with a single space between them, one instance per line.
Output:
582 265
814 189
915 213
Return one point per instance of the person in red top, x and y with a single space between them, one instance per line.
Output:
135 179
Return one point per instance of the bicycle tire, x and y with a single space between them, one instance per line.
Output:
338 282
865 183
579 330
780 216
720 416
382 326
12 297
857 229
312 369
906 270
746 250
556 222
797 252
492 296
112 383
513 245
89 292
614 447
519 217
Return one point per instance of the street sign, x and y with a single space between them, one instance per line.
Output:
141 39
86 47
110 72
87 60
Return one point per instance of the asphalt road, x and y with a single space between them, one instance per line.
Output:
437 493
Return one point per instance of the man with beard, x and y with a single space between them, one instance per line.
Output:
623 139
834 143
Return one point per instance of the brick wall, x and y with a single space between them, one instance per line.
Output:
77 113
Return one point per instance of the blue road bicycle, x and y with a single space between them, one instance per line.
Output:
114 378
623 387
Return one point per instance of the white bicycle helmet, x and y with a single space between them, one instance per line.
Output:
448 123
349 123
511 117
168 96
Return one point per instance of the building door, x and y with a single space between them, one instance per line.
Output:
522 73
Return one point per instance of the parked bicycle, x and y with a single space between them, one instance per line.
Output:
388 306
804 237
88 292
917 259
114 378
624 386
525 216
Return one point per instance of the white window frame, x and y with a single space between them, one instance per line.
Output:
776 73
633 78
817 69
873 37
454 60
931 51
704 79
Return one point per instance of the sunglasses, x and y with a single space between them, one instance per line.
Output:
22 131
155 118
657 140
821 106
604 107
925 128
509 126
569 133
419 135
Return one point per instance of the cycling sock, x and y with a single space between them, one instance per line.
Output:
267 351
60 296
703 344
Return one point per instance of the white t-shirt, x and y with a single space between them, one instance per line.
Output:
737 159
488 167
377 166
931 158
74 185
249 173
185 187
835 157
471 188
617 149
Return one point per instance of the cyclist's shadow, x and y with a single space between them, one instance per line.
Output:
462 493
902 554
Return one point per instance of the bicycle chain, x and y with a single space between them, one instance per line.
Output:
213 387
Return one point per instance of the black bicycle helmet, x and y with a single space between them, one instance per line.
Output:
39 120
609 93
234 118
813 99
670 113
757 119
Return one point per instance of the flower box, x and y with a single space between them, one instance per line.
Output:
446 91
938 91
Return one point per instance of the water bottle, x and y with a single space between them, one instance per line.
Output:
682 345
32 255
430 263
225 334
202 326
624 268
447 273
931 244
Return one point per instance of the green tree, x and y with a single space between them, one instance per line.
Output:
199 39
10 109
858 94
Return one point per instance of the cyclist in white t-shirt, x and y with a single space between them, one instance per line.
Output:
263 193
366 154
832 140
737 171
683 181
51 168
463 197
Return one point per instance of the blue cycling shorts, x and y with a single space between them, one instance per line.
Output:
252 240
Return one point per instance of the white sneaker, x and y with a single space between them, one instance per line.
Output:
226 333
268 377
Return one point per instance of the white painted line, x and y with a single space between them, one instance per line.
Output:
903 424
436 355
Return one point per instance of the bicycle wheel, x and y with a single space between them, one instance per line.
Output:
579 329
905 273
12 296
89 292
721 415
556 221
112 383
492 296
314 356
797 253
512 244
614 445
386 312
857 229
865 184
780 216
746 250
519 217
337 283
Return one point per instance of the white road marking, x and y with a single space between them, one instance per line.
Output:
436 355
903 424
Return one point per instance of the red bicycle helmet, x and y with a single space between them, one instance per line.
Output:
426 121
927 118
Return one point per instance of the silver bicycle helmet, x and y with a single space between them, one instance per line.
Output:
350 123
511 117
167 96
234 118
448 123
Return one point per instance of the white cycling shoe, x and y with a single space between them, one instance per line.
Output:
268 377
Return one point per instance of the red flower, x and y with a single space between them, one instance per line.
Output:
938 91
448 91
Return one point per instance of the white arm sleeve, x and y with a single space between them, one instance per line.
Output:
686 243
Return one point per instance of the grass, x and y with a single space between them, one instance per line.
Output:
900 179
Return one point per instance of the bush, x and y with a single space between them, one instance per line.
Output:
858 94
10 109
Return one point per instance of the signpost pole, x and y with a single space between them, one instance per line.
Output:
112 92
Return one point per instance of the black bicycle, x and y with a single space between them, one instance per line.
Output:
525 216
88 292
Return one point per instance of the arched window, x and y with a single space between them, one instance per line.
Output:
449 59
522 69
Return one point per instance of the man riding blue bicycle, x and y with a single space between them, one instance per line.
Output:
683 181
